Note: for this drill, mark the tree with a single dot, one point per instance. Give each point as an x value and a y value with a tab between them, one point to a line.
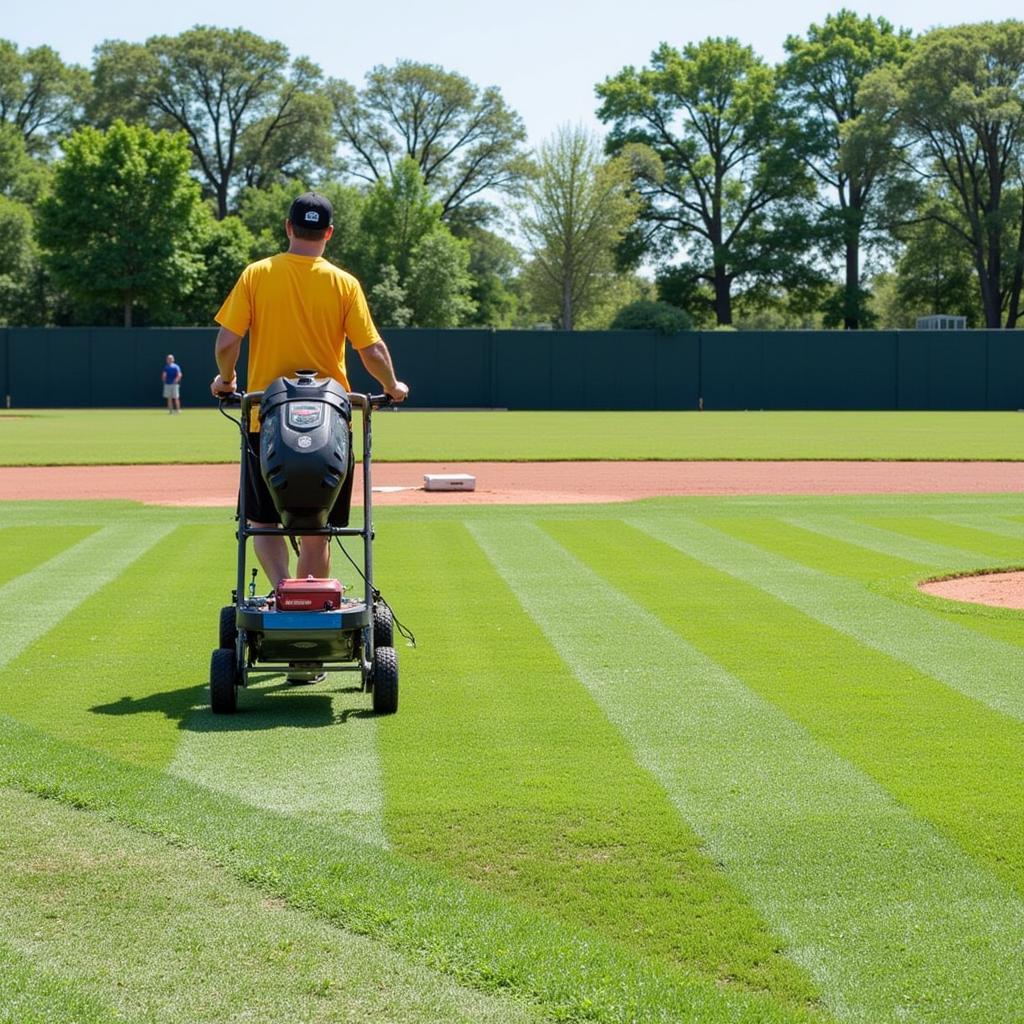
465	140
579	209
715	165
408	257
18	257
119	227
649	315
40	95
252	116
494	266
958	104
22	177
820	80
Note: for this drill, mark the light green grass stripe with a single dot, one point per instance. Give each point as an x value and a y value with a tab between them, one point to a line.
989	524
306	751
988	670
22	548
36	601
166	935
857	885
886	542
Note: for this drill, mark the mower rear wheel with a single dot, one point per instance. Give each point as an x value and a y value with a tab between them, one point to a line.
385	681
223	682
383	626
228	629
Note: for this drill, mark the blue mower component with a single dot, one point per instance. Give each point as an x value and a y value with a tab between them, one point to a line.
305	458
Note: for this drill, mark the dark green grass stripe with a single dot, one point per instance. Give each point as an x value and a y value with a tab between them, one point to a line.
893	920
477	938
31	995
952	760
23	548
123	669
501	768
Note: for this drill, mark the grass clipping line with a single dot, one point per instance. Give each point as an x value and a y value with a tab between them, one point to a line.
465	933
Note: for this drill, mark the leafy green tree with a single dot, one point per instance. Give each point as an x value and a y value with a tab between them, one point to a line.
651	315
958	105
22	177
18	257
223	248
252	115
579	209
820	80
438	285
494	265
716	167
40	95
119	227
465	140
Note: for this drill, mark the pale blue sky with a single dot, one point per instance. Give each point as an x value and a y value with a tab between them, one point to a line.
544	55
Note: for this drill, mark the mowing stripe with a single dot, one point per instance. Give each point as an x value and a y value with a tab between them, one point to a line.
988	670
165	934
987	547
877	927
989	524
885	542
311	752
36	601
501	769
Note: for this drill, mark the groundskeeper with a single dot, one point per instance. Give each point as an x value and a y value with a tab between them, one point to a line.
299	309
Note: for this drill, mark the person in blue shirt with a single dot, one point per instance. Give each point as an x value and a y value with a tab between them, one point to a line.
171	377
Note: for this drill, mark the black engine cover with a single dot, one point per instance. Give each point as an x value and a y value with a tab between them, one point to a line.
305	445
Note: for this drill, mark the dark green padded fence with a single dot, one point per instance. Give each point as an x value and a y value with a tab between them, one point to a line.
105	367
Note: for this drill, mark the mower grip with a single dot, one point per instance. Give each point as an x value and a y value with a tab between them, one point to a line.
379	401
233	399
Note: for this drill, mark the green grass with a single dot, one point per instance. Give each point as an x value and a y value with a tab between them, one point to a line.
704	760
76	437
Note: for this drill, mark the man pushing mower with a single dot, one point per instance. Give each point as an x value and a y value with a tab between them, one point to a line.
299	310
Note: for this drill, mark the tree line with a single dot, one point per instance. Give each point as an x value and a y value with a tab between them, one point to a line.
867	178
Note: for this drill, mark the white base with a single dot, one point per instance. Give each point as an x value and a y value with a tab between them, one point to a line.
449	482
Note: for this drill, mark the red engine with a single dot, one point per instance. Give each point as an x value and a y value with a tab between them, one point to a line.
308	595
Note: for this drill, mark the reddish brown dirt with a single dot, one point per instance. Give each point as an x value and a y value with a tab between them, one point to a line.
1003	589
531	483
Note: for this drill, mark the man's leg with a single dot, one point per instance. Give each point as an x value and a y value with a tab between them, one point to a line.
272	553
314	558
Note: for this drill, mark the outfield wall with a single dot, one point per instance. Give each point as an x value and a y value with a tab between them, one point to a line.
109	367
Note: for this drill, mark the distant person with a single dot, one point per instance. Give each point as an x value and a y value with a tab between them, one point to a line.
171	377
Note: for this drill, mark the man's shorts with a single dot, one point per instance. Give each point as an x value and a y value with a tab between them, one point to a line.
171	390
259	505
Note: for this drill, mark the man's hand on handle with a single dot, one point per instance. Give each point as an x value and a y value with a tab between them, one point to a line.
221	388
398	392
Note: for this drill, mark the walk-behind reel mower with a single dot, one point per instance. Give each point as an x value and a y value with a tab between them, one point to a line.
306	627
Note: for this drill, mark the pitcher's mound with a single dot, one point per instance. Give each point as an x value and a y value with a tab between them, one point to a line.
1004	589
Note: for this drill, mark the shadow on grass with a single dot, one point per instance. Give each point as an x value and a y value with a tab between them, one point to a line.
259	707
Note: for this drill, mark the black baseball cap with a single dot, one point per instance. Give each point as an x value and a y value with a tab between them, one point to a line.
311	210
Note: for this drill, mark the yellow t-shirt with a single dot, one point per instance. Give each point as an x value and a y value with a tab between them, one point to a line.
298	311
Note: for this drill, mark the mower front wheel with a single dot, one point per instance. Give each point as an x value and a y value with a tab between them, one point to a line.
223	682
385	681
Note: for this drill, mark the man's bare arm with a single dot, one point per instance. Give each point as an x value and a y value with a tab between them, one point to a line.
377	360
225	351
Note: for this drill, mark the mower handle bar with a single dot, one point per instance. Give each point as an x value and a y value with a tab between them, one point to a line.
372	401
